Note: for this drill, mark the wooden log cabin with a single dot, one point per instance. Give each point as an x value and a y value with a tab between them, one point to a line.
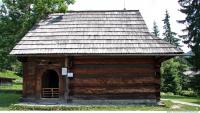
111	54
4	81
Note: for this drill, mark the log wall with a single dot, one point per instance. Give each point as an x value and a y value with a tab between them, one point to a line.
97	77
115	78
33	70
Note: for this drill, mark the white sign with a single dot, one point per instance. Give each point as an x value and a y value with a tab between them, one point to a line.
70	75
64	71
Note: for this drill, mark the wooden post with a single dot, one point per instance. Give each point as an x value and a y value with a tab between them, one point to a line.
66	93
157	77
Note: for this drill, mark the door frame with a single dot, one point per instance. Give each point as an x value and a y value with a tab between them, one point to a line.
41	71
52	90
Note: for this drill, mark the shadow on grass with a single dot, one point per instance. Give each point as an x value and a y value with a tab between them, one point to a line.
174	97
6	99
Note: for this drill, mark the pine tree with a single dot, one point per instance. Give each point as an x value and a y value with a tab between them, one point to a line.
168	34
155	29
171	69
192	10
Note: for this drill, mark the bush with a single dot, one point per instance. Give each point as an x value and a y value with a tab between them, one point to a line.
195	84
167	93
189	93
170	76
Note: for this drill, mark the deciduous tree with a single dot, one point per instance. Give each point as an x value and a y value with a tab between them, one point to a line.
17	17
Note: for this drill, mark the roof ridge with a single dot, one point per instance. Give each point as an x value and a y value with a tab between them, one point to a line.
77	11
103	11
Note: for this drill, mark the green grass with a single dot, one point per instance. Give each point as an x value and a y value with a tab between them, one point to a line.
167	107
195	100
11	74
14	86
7	99
17	84
87	108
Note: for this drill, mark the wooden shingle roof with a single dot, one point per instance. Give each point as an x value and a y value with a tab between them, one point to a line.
121	32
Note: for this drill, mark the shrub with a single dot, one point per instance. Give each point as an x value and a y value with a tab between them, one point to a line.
189	93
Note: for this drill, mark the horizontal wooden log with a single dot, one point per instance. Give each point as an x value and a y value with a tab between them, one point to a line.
112	90
113	60
113	57
111	81
92	66
93	84
116	75
108	70
116	96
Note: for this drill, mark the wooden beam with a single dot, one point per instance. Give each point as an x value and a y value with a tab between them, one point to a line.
160	59
22	59
66	93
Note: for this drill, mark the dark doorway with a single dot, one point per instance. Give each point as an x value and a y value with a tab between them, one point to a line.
50	84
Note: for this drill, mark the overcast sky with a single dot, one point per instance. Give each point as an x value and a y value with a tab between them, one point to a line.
151	10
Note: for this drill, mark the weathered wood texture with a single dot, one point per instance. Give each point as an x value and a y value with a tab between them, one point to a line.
97	77
6	81
34	69
119	32
115	78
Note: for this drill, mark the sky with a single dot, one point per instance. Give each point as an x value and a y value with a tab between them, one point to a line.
151	10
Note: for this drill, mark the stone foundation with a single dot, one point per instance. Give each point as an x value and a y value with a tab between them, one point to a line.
56	101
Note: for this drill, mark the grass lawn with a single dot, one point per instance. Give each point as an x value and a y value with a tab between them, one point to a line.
195	100
167	107
7	101
14	86
17	84
11	74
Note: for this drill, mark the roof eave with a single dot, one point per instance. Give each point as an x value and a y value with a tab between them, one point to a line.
84	54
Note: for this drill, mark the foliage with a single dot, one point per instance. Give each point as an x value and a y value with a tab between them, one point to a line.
171	72
155	29
168	34
173	79
184	79
192	20
16	18
192	10
11	74
195	83
189	92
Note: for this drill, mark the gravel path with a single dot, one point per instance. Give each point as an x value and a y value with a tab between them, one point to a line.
181	102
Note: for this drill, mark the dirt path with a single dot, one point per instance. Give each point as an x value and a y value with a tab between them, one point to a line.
181	102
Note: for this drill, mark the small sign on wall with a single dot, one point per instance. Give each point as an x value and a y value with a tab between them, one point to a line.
64	71
70	75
